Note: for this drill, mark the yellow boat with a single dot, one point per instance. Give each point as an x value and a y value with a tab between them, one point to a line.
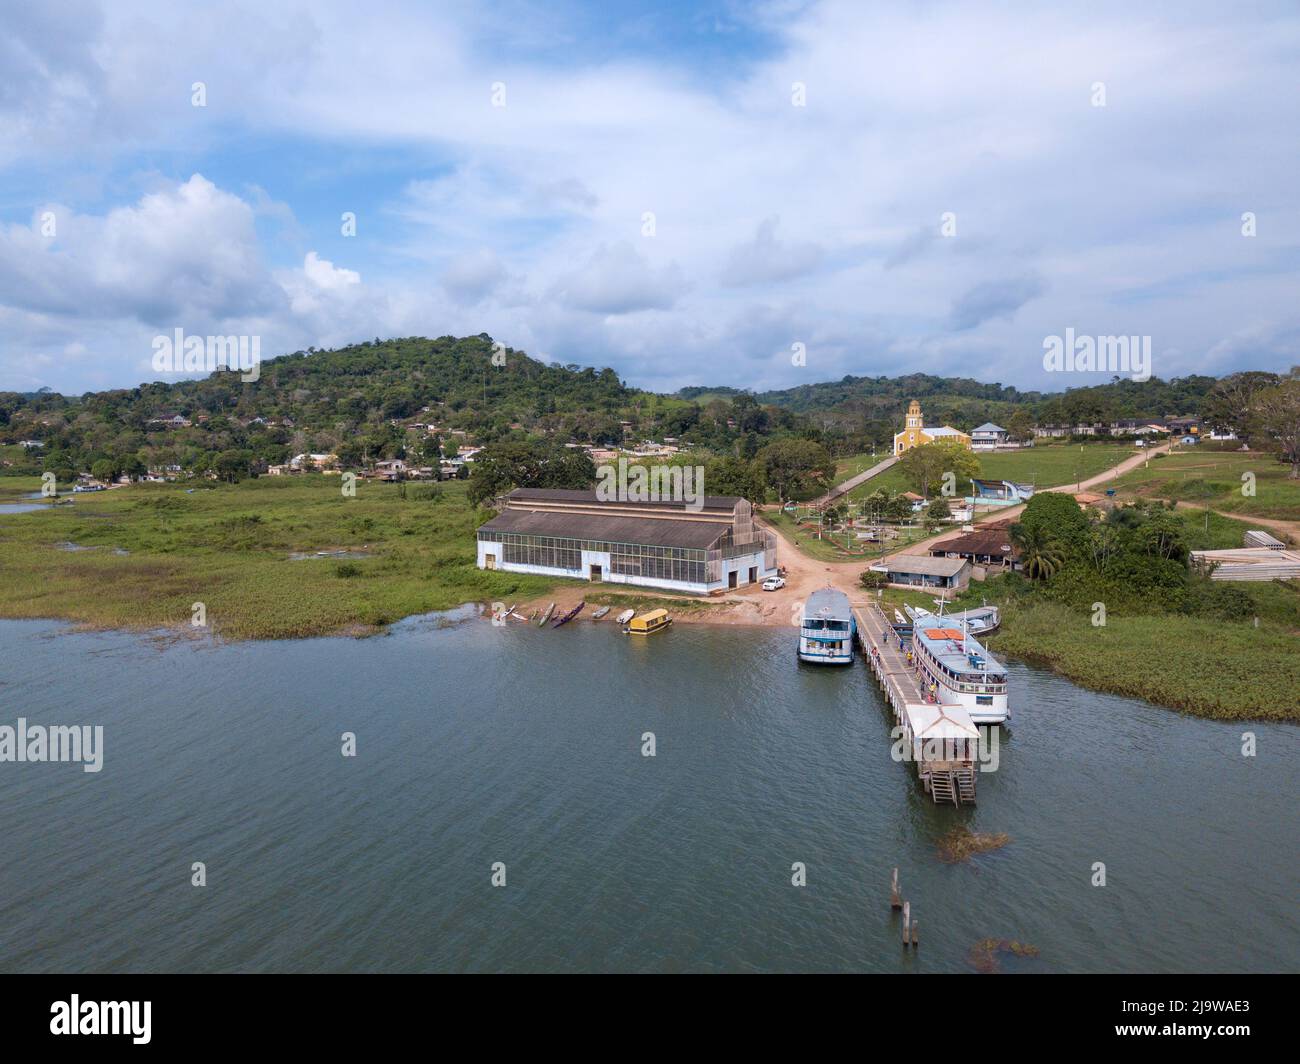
648	623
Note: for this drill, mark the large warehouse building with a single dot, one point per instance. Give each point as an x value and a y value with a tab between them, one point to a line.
557	532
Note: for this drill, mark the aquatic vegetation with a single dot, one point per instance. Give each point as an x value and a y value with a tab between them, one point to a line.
961	844
984	954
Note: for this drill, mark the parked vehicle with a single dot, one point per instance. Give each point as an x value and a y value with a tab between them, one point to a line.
773	583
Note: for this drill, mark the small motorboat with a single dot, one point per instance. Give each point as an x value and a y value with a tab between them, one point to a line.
600	613
568	616
625	616
546	615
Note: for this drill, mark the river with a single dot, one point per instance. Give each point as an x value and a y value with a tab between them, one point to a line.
478	744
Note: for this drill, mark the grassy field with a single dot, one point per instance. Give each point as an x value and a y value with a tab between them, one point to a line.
851	467
1206	667
829	550
140	557
1046	465
1214	478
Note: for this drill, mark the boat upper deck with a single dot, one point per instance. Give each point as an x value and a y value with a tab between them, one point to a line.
959	654
828	609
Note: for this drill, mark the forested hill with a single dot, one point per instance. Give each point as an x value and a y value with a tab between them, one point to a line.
368	382
959	399
413	396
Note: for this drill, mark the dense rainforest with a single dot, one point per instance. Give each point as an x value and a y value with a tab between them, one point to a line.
418	397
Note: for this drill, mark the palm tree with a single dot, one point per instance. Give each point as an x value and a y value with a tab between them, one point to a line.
1041	556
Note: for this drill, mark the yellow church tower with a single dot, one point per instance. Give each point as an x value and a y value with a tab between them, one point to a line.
915	433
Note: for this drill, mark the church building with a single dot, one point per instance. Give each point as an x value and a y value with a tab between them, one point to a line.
915	434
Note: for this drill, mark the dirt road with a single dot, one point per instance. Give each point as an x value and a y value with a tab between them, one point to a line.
804	575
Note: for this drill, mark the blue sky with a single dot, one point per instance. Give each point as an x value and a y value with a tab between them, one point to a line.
126	212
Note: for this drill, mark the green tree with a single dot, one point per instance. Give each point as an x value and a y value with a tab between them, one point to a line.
939	511
735	476
925	466
794	467
871	580
1041	556
1020	425
1060	519
232	466
528	464
1277	411
1230	404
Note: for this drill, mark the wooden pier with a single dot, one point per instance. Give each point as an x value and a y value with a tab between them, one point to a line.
942	740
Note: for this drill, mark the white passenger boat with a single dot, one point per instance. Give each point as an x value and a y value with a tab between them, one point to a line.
826	629
956	670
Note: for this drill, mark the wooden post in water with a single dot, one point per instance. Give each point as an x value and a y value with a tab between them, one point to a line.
907	924
916	935
895	901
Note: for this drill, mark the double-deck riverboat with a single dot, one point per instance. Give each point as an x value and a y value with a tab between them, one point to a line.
956	670
826	628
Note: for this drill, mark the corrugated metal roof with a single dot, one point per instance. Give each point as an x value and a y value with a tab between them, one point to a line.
922	564
643	531
995	541
588	497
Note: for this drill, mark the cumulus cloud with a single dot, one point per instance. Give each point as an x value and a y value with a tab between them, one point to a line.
188	250
474	276
617	279
525	220
766	259
993	299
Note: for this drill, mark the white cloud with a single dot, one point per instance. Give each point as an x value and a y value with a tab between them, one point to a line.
525	220
617	279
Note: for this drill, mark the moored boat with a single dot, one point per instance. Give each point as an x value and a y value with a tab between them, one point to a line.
546	615
600	613
625	616
983	620
956	670
568	616
826	628
648	623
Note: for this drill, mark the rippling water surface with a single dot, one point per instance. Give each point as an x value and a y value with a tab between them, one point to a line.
479	744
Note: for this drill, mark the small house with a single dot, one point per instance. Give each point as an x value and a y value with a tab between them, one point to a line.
923	570
987	437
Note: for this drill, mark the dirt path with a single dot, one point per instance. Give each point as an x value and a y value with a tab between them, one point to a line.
1289	529
804	575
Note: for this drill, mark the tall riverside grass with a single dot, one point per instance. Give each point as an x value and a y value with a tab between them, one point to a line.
1229	671
228	547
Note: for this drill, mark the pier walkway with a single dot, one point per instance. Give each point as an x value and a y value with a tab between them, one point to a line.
941	739
848	485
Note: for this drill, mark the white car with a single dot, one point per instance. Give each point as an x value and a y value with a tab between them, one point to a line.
773	583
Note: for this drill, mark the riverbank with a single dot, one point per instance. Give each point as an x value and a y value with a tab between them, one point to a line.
1206	668
272	558
281	558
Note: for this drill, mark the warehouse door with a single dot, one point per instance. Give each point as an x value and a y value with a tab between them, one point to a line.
731	578
489	561
753	573
596	574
